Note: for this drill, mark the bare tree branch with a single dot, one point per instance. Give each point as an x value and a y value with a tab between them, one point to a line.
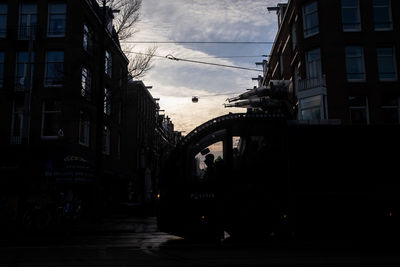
141	63
126	18
124	23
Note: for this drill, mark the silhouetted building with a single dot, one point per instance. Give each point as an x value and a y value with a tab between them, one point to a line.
141	117
62	98
342	57
165	140
150	139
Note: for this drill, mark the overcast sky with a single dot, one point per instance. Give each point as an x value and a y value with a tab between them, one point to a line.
175	82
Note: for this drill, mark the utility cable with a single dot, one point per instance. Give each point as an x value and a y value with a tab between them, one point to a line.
196	42
241	56
171	57
226	57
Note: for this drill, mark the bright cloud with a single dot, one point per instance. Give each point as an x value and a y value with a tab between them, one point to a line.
175	82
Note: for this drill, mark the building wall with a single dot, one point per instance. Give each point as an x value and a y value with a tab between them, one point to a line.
332	40
141	114
38	160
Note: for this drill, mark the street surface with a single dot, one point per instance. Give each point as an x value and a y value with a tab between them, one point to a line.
145	246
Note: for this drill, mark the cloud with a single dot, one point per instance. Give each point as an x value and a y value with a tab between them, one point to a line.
187	115
175	82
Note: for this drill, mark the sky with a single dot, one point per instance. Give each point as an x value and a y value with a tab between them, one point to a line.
176	82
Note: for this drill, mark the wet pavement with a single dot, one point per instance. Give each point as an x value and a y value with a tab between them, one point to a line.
130	241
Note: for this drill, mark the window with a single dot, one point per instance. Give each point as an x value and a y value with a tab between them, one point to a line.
87	39
294	37
107	102
382	15
310	108
119	147
57	17
22	69
355	63
54	72
1	68
351	15
281	63
106	140
122	77
386	64
86	83
108	64
296	78
17	123
313	61
390	109
119	112
27	21
310	19
3	20
84	129
358	109
51	120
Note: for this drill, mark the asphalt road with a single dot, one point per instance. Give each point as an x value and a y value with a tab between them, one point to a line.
145	246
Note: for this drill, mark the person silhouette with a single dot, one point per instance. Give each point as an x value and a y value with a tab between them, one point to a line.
210	171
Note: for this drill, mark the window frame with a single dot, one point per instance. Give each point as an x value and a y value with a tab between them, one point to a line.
317	67
55	13
84	129
365	107
355	29
347	56
2	58
281	64
59	83
108	63
313	99
106	150
29	21
118	150
107	102
87	39
14	139
17	84
393	57
390	28
3	14
293	33
86	83
392	107
44	113
306	31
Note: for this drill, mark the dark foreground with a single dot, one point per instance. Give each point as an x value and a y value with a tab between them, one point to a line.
137	242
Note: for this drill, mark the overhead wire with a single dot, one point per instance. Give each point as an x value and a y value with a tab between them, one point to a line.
209	63
171	57
226	57
209	95
197	42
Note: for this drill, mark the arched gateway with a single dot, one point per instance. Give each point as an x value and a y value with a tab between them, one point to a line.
258	174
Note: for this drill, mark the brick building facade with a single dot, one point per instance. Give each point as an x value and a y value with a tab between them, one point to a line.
342	57
62	101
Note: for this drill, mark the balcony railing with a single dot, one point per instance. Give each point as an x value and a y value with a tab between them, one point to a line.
311	83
